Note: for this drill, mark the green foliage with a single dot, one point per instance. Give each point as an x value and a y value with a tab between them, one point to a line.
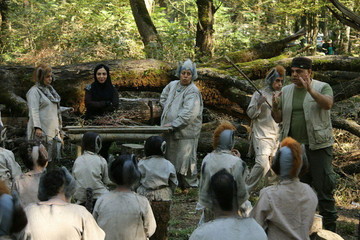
76	31
73	31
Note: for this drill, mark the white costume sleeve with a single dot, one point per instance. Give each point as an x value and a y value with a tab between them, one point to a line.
149	220
91	229
33	101
253	110
261	210
164	95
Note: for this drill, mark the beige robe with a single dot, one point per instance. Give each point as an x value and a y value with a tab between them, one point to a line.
90	170
27	185
263	138
286	210
216	161
124	216
60	222
230	228
263	126
9	168
43	114
182	108
158	176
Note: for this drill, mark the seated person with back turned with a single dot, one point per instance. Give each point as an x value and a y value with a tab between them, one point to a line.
90	171
223	157
228	225
157	184
286	210
54	217
122	213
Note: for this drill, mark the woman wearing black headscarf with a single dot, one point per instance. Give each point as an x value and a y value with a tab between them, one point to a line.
100	96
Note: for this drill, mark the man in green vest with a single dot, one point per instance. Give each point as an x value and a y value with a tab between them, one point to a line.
303	107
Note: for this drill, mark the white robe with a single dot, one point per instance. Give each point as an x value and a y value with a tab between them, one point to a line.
43	114
263	138
9	168
124	216
27	185
60	222
230	228
182	108
158	176
286	210
90	170
214	162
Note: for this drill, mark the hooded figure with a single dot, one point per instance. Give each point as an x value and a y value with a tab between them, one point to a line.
286	210
91	142
122	206
227	224
223	157
182	110
101	96
90	171
264	130
158	182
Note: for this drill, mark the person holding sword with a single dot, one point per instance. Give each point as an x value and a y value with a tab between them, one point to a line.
264	130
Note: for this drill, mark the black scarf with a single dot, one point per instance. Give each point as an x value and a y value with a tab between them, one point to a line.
102	91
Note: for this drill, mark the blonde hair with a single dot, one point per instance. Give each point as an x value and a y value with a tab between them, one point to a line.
41	71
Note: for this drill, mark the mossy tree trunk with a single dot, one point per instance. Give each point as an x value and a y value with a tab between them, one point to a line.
205	30
4	25
147	29
221	86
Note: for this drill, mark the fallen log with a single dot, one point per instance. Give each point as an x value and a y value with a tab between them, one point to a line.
346	124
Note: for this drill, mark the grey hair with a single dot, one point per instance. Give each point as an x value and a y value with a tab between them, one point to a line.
187	65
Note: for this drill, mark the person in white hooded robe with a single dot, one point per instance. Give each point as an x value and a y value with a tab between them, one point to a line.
182	110
122	213
227	225
223	157
264	130
286	210
90	171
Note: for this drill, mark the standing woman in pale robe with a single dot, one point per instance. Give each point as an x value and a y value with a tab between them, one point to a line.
44	111
182	110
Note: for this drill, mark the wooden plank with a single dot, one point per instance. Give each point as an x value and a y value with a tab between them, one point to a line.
115	129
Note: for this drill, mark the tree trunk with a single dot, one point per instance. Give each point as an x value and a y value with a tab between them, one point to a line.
345	124
312	27
4	25
147	30
265	50
205	30
347	16
222	88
